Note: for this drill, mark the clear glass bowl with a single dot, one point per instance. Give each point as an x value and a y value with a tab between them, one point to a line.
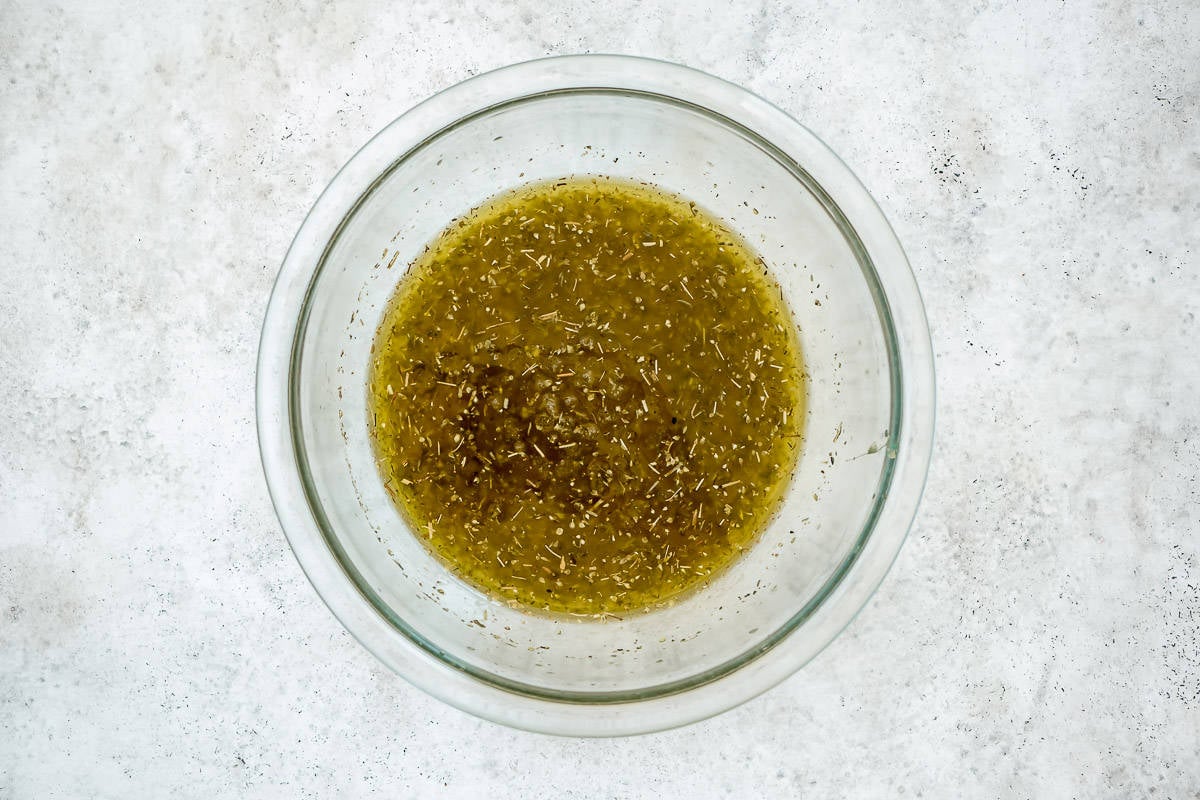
861	323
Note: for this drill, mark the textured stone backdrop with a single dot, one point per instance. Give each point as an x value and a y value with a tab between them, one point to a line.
1039	635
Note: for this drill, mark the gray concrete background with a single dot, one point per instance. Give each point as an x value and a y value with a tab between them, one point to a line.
1039	635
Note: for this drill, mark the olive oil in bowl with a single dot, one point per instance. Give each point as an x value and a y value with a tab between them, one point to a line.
587	396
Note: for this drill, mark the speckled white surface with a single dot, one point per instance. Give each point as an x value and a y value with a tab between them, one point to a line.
1039	635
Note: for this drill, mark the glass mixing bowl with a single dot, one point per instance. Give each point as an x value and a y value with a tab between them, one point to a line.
861	324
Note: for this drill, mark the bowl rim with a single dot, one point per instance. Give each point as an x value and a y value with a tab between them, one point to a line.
907	451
